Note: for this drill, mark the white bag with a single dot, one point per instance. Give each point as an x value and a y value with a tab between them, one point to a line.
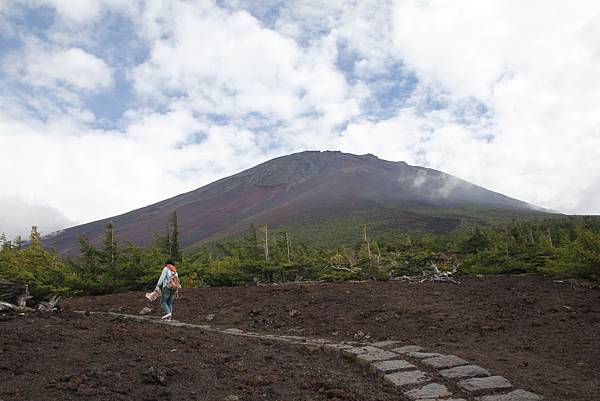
154	295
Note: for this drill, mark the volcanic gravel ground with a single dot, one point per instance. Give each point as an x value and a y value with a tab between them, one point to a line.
543	335
70	356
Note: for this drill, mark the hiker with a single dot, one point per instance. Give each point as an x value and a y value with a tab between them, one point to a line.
169	285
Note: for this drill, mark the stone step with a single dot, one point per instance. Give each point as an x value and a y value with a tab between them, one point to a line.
431	391
445	361
459	372
401	379
517	395
484	383
385	367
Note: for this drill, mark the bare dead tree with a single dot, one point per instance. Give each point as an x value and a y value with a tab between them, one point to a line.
266	242
288	242
368	245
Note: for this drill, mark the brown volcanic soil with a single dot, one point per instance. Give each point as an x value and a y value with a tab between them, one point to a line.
76	357
542	335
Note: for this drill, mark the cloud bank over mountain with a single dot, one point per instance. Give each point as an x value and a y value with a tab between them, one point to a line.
112	105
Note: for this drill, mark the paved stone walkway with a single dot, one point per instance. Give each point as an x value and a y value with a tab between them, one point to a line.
417	373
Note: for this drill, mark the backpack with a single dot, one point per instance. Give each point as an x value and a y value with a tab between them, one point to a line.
174	283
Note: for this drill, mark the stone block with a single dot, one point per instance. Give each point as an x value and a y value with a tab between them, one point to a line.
422	355
431	391
442	399
484	383
408	348
391	366
387	344
445	361
361	350
459	372
517	395
400	379
376	355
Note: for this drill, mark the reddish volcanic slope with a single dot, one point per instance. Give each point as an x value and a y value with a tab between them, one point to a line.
301	187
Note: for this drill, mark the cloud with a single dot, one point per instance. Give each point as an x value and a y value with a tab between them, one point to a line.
47	218
502	94
216	61
530	65
41	65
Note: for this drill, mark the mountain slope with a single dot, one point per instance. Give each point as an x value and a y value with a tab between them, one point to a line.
310	191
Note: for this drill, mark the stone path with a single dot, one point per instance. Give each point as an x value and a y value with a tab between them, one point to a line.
417	373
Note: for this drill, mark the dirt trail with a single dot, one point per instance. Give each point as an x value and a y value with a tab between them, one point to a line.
542	335
77	357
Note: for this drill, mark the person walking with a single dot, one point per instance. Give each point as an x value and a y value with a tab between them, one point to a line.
168	284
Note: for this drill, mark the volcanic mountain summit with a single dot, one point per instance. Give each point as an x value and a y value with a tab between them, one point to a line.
318	194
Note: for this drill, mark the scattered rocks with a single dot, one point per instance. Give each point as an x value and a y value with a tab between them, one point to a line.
444	361
459	372
293	313
400	379
210	317
359	335
485	383
432	391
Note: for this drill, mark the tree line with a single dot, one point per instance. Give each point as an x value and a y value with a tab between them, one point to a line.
559	246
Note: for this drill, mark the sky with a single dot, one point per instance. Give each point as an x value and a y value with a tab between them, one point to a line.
110	105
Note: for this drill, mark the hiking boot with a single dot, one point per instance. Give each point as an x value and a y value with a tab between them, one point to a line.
166	317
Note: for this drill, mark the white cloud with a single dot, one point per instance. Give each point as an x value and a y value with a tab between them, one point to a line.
23	215
506	96
222	62
532	64
41	65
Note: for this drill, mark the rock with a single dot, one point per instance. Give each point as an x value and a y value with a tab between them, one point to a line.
391	366
400	379
210	317
485	383
459	372
408	348
231	397
433	390
444	361
517	395
294	313
155	376
145	310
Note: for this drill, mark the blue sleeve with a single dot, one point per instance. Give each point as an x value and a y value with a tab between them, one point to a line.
162	277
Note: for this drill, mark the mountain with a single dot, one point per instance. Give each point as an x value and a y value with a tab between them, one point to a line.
319	196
